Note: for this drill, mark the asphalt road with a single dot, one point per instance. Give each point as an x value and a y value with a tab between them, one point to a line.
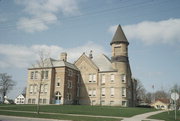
15	118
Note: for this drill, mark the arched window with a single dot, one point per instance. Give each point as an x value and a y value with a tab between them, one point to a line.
58	96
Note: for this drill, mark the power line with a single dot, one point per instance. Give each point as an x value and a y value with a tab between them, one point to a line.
104	11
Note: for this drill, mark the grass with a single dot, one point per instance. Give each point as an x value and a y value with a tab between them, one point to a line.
81	109
58	116
166	116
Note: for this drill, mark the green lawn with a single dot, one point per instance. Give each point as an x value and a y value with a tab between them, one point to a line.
166	116
58	116
81	109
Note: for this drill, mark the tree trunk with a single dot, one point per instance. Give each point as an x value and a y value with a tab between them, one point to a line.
38	107
3	99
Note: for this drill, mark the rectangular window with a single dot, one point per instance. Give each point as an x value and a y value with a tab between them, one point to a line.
112	91
35	88
94	92
42	88
78	91
69	96
36	74
103	92
102	102
45	88
46	74
32	75
103	79
31	89
29	101
90	92
123	78
40	100
111	102
44	101
112	77
42	74
93	102
94	77
124	103
78	76
58	82
70	72
33	101
117	50
69	84
123	91
90	77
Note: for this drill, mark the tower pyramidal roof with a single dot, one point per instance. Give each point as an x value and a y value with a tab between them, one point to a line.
119	36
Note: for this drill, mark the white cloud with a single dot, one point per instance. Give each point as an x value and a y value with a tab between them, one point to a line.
112	29
150	32
24	56
44	12
31	25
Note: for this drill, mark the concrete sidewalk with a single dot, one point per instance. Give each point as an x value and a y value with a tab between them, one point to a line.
82	115
143	117
139	117
16	118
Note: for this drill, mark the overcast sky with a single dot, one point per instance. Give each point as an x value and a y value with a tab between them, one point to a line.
152	28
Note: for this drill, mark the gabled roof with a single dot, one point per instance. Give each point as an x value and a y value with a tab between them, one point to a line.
119	36
103	63
59	63
99	61
24	95
165	101
49	63
84	56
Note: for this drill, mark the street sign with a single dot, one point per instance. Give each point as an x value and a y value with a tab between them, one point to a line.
174	96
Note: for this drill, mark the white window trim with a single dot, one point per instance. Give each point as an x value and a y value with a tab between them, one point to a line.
103	79
123	78
112	77
112	91
103	92
90	78
123	92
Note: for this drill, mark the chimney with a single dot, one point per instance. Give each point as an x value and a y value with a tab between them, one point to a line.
90	55
63	56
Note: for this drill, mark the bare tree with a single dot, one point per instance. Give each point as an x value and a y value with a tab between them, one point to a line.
176	88
41	65
24	91
149	97
161	94
6	84
140	91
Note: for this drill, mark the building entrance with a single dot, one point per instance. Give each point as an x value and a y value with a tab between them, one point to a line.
58	98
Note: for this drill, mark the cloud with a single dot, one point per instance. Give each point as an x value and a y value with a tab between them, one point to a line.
20	56
150	32
41	13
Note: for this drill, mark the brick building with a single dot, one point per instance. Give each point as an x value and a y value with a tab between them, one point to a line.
91	80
